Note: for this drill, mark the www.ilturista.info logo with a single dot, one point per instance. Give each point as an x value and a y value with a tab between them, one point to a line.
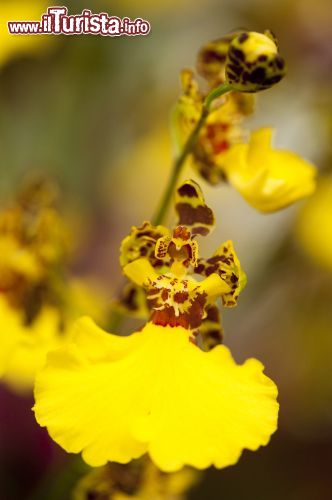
57	21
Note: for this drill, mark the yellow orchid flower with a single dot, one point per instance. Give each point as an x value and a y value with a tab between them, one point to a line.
313	223
15	261
177	251
156	391
240	64
24	346
268	179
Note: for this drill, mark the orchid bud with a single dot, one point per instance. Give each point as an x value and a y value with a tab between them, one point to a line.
253	62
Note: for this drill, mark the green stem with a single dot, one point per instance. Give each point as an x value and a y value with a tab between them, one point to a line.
187	149
175	136
215	93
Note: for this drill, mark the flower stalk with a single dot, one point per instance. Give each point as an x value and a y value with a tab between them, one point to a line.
187	149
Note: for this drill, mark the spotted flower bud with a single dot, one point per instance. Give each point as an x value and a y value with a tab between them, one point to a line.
253	62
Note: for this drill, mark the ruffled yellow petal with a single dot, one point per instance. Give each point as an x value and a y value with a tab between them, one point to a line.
268	179
115	398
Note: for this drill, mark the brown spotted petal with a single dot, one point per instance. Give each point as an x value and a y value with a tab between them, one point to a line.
188	108
176	302
161	248
141	242
190	86
182	302
192	210
178	248
211	60
226	264
223	128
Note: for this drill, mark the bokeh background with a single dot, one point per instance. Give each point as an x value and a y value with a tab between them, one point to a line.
93	113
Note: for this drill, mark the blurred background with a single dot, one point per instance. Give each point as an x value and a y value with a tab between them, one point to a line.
93	113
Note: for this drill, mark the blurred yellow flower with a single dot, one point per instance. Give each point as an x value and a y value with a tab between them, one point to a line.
38	300
24	345
141	480
20	10
223	127
268	179
156	391
314	222
16	260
